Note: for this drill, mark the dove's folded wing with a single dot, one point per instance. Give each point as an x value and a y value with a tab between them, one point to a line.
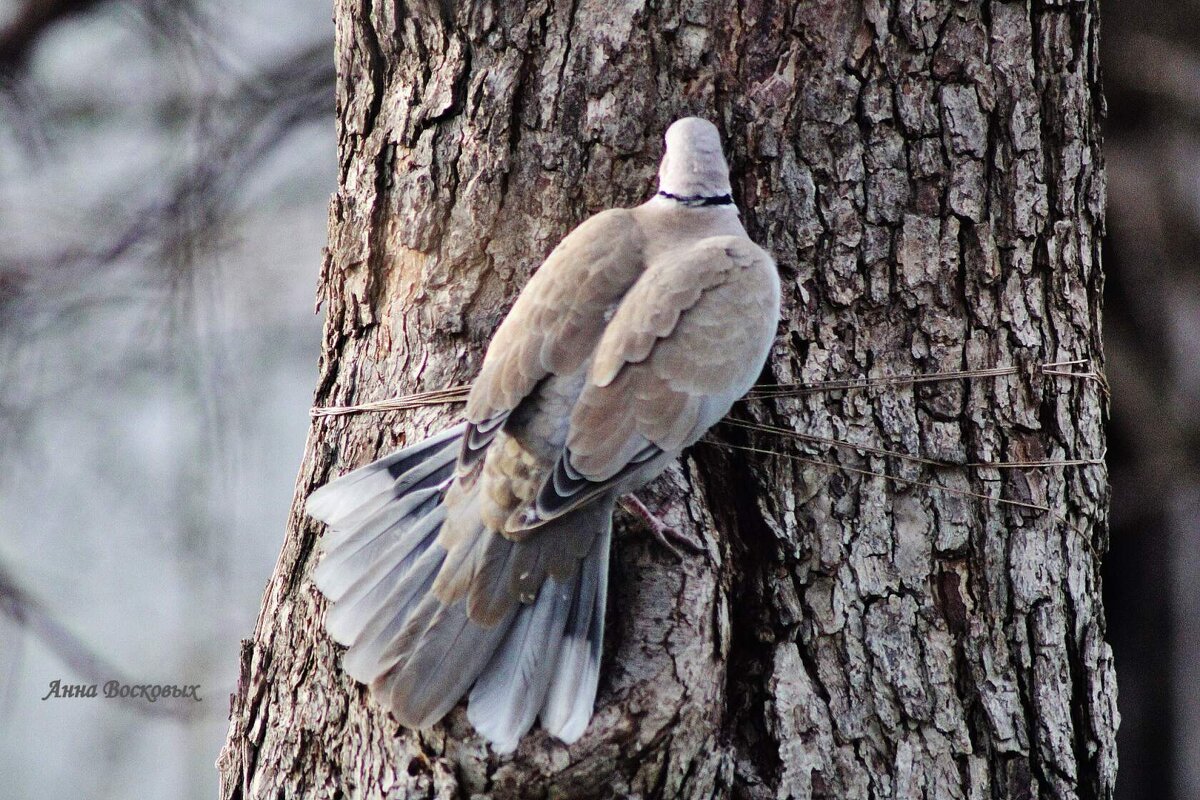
688	340
555	324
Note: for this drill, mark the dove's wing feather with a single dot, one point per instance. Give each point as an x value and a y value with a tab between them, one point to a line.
688	340
555	323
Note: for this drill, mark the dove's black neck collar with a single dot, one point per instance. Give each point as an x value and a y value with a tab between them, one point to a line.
699	200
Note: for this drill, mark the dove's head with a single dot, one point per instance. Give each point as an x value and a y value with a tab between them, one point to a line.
693	167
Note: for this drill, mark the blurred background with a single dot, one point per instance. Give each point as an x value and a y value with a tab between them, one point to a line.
1151	59
165	171
165	168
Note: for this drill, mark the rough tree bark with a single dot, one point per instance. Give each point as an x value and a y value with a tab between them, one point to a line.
928	175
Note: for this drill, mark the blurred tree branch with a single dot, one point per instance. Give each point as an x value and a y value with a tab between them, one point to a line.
182	212
89	666
33	19
1164	71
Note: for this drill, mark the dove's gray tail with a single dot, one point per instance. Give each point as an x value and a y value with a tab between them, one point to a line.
381	560
345	504
383	519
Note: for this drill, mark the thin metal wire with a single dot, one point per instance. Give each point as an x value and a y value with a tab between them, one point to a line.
772	390
457	394
1064	369
1055	515
1054	368
879	451
454	394
841	467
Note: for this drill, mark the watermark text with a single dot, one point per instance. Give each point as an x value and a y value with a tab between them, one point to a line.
150	692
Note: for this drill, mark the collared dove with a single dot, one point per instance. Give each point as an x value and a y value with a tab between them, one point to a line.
478	559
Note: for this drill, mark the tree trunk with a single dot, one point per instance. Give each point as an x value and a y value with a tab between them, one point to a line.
928	176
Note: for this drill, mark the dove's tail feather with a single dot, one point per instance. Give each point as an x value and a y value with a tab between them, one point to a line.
473	628
379	559
546	663
346	503
576	673
424	625
510	691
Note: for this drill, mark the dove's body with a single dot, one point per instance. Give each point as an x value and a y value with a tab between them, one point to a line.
636	335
